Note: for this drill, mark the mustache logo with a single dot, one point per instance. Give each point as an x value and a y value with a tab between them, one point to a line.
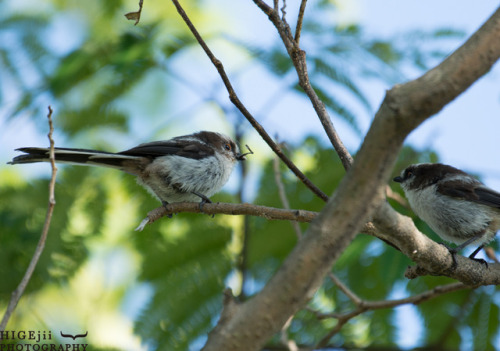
74	337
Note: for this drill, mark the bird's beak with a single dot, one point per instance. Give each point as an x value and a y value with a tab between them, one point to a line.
241	157
398	179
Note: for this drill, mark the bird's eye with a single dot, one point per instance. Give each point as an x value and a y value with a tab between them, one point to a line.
409	174
227	146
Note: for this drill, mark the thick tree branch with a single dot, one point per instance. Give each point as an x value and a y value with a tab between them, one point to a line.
236	101
359	194
431	257
16	295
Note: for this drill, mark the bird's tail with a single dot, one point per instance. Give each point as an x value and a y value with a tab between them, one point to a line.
74	156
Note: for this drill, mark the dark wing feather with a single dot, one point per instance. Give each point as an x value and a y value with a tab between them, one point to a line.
475	192
184	148
488	197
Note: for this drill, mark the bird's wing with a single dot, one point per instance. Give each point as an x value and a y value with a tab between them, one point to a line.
184	148
488	197
475	192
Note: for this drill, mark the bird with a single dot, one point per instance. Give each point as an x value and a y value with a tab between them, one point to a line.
456	206
187	168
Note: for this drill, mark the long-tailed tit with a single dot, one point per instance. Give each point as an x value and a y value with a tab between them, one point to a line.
458	207
185	168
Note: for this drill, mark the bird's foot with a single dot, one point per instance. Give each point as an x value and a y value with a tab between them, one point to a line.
453	252
164	203
204	200
480	260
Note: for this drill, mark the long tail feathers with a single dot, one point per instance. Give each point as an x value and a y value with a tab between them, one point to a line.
74	156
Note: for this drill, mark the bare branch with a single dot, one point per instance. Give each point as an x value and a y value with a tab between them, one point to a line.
363	306
291	345
283	12
243	235
298	57
270	213
348	292
431	257
266	8
276	5
298	27
16	294
236	101
282	194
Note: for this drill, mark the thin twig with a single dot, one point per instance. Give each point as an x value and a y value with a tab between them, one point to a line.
265	7
242	262
363	305
348	292
16	295
283	11
236	101
298	57
300	18
282	194
270	213
291	345
276	5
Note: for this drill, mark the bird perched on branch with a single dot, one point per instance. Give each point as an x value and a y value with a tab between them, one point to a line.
457	206
182	169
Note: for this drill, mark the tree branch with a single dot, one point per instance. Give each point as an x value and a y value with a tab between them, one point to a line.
16	295
282	194
363	305
291	345
244	232
236	101
298	57
270	213
360	195
300	18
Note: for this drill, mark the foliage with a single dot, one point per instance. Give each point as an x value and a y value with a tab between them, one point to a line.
185	262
